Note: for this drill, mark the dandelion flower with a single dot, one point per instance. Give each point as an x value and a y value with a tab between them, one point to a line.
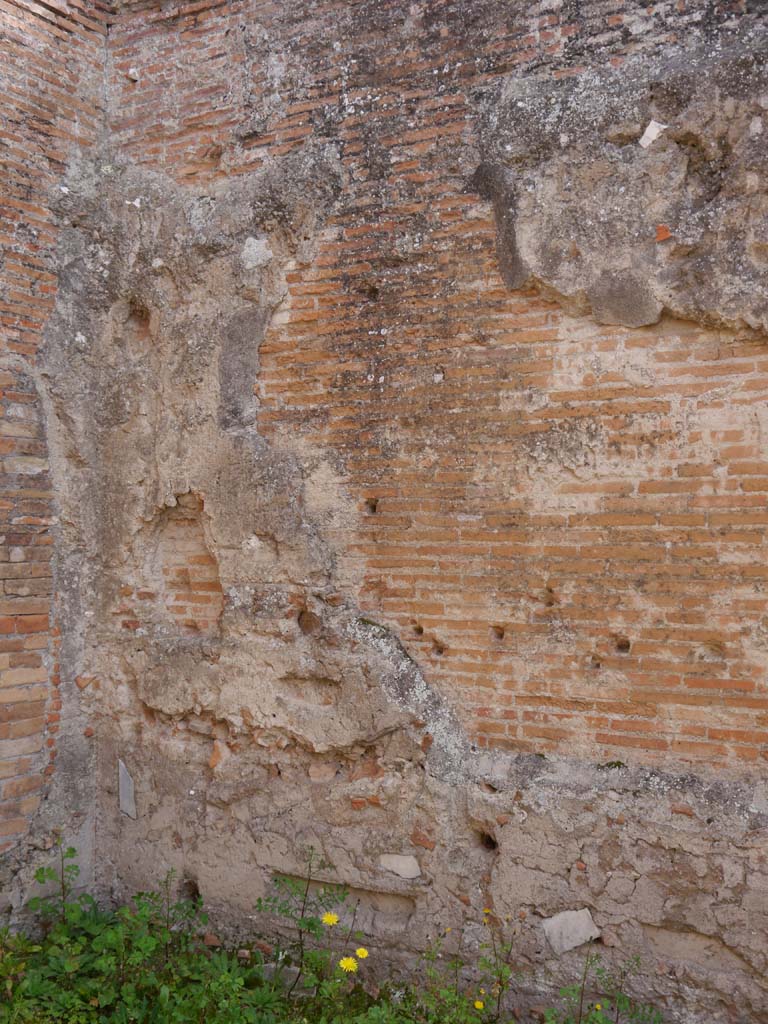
348	964
330	919
361	953
486	910
598	1006
479	1004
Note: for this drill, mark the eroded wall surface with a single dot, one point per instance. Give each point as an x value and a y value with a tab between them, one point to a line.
52	86
406	419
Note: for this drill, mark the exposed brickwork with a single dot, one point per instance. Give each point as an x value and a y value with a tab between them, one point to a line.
192	591
29	711
49	55
188	595
581	570
562	521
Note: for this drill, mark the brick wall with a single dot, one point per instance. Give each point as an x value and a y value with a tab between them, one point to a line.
50	59
563	522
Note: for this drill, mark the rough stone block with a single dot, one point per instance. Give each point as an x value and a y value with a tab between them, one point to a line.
125	790
256	253
404	865
570	929
277	972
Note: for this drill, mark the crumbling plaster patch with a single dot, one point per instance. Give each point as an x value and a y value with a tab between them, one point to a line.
150	369
624	231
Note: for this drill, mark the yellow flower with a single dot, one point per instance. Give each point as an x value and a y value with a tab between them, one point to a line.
361	953
598	1006
330	919
348	964
486	910
479	1004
